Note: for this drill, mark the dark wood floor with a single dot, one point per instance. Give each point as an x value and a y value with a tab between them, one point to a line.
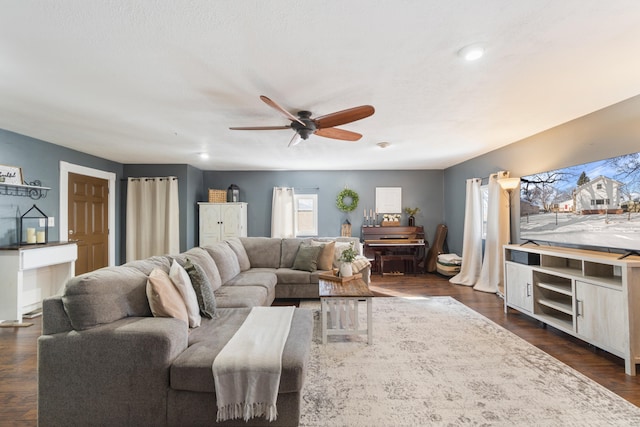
18	379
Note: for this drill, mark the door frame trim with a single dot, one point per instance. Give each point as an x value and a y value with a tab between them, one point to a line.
65	169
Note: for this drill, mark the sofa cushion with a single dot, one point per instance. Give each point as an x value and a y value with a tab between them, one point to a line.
262	251
182	282
105	295
289	251
203	259
307	258
287	276
147	265
325	259
203	289
251	278
191	370
164	298
225	259
243	259
243	296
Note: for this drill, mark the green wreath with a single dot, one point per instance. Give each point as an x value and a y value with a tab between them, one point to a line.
347	194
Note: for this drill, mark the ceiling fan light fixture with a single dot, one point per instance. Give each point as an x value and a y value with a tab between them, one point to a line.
471	52
203	156
383	144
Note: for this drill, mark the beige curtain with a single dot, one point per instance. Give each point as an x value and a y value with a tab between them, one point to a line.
472	239
283	213
491	275
152	217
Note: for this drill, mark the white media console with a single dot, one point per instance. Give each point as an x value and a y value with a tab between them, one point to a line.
594	296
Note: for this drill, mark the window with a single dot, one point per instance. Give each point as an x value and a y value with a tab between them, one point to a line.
306	206
598	186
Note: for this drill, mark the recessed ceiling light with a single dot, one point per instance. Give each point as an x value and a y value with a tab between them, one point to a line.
204	156
383	144
471	52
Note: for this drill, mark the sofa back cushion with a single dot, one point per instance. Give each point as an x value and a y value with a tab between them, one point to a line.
203	259
104	296
147	265
263	252
238	248
289	251
225	259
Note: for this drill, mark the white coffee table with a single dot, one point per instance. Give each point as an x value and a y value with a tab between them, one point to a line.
341	300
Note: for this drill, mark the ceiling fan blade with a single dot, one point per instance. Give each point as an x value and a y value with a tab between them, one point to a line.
295	140
261	128
276	106
335	133
344	116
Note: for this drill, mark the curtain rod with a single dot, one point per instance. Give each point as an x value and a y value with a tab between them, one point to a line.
149	179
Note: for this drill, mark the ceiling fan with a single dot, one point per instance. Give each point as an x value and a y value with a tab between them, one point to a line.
305	125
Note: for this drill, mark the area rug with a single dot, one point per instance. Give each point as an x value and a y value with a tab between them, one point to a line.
435	361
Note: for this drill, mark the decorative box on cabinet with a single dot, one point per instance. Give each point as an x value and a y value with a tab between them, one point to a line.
220	221
594	296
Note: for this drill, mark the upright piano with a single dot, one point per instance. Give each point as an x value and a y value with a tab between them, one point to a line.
395	246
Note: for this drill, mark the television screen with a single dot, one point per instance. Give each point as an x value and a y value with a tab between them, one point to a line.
595	204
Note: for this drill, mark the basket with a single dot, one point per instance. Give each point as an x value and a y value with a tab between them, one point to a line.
217	196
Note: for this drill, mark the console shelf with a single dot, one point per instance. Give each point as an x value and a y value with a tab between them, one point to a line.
591	295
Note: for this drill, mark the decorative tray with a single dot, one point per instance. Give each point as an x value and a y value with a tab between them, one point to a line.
339	279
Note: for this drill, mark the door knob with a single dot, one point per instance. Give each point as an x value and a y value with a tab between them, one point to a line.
70	232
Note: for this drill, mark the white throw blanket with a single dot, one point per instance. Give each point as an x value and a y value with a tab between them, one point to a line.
247	370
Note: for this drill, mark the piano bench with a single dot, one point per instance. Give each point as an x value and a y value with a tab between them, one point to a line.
402	258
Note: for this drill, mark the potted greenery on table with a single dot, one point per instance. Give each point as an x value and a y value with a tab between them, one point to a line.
346	258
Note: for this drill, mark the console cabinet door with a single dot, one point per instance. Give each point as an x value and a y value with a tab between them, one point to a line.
519	286
600	316
210	220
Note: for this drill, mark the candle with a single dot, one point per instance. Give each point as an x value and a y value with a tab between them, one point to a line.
40	237
365	212
31	235
371	213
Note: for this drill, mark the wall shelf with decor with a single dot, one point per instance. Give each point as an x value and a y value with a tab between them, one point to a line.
33	190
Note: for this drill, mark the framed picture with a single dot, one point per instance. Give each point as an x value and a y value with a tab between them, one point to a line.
388	200
10	175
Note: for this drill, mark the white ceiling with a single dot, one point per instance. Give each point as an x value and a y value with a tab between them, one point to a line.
161	81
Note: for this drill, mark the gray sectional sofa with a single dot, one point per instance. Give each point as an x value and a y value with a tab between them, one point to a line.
103	359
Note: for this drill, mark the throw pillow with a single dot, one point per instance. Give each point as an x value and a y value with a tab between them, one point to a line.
182	282
202	288
164	298
307	258
325	259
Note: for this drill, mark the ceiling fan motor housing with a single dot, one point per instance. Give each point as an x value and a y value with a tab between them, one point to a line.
309	125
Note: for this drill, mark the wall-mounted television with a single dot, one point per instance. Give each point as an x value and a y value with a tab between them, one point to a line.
594	205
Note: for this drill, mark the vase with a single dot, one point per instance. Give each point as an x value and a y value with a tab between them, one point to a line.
412	221
346	270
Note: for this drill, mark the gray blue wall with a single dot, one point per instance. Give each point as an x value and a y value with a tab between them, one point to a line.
422	188
439	194
606	133
40	160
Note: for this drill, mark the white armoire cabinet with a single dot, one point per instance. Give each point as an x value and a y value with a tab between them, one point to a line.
220	221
